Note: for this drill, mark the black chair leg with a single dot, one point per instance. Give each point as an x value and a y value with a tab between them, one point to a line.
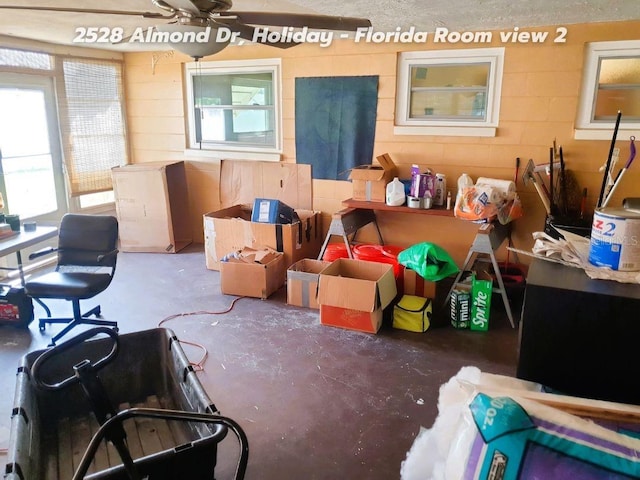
78	319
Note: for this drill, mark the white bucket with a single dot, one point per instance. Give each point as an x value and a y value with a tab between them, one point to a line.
615	239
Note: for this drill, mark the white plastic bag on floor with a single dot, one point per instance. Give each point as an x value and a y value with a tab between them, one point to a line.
487	428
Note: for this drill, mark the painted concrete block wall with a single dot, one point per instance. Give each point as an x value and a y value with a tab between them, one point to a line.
540	94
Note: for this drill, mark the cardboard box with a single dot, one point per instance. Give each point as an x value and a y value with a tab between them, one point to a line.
254	273
460	303
481	291
152	206
231	229
414	284
302	282
353	294
370	181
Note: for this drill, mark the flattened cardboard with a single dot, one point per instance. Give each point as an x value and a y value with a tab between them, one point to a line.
252	279
370	181
152	207
302	282
242	181
230	229
357	285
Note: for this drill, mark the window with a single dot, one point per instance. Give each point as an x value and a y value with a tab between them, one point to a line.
449	92
92	123
24	59
234	107
611	83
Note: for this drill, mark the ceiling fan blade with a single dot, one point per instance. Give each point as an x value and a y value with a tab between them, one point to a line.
184	5
86	10
300	20
247	32
212	5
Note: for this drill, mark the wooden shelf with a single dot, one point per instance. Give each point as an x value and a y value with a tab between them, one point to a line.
381	206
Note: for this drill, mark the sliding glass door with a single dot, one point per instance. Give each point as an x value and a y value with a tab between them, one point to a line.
31	178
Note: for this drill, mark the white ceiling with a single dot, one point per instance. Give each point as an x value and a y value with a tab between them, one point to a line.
385	15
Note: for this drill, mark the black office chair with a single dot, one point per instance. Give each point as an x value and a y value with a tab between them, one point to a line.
87	253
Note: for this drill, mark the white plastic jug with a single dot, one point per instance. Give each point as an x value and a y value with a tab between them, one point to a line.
395	193
464	181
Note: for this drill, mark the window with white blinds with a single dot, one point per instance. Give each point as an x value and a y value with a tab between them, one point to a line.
92	122
10	57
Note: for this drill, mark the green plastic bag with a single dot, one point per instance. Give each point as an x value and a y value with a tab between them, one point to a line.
431	262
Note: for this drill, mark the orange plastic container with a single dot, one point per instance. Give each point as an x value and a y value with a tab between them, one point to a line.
335	251
381	254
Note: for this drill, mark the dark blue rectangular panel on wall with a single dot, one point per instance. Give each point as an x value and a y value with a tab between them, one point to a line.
335	123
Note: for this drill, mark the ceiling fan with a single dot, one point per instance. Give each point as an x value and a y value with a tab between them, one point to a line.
215	15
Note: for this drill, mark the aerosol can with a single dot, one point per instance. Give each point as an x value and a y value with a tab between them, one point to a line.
441	190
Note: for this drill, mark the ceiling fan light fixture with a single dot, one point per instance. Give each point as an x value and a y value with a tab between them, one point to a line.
193	40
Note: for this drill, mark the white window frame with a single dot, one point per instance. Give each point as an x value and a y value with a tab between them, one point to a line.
221	151
404	125
586	127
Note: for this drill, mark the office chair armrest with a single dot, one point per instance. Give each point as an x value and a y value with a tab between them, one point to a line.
112	253
42	252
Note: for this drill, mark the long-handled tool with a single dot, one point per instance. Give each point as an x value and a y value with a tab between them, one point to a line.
632	155
608	165
563	185
529	177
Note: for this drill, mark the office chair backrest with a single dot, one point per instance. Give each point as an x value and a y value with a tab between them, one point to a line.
82	238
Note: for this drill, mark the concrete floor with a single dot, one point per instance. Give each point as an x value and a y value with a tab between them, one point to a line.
316	402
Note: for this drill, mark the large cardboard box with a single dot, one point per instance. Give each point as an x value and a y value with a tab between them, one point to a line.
152	206
256	273
370	181
231	229
302	282
353	294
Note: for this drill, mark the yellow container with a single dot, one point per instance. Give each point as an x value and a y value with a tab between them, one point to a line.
412	313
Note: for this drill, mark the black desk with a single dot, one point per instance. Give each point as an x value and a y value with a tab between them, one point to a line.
580	336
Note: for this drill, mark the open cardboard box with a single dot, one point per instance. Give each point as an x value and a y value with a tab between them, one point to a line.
353	294
230	228
302	282
252	273
370	181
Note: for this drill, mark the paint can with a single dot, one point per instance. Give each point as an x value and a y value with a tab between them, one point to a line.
615	239
414	202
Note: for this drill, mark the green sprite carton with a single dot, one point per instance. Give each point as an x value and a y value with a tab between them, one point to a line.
481	289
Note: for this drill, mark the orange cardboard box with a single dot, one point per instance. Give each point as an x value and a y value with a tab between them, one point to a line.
353	294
